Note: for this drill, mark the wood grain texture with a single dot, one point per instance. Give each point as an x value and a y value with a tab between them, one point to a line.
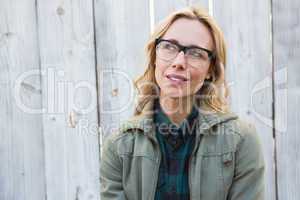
247	29
122	30
161	10
22	171
286	52
49	85
66	37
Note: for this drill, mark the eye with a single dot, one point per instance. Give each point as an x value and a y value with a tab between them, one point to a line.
168	46
198	54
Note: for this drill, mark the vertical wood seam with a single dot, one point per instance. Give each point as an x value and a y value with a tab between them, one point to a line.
273	102
42	103
97	80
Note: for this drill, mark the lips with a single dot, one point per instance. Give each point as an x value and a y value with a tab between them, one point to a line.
176	77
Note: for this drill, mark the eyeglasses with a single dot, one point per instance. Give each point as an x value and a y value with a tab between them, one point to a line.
196	56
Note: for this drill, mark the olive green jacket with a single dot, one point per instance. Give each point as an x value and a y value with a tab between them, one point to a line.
227	162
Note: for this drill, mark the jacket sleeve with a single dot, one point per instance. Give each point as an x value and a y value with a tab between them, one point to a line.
111	173
248	181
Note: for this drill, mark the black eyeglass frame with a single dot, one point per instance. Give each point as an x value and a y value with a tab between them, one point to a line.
211	54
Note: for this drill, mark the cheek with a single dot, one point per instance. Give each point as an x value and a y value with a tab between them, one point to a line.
198	78
159	71
157	75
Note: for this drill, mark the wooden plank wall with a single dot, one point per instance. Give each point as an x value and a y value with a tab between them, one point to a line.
162	10
22	168
247	29
121	33
66	70
286	53
67	59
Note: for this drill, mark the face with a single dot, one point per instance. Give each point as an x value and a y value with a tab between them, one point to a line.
176	77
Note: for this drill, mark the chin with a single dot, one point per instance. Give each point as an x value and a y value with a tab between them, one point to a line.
174	93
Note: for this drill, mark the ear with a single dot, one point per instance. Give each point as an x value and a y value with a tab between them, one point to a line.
207	76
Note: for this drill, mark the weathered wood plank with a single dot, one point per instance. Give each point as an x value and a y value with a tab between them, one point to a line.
161	10
201	3
286	54
21	140
121	32
246	25
69	96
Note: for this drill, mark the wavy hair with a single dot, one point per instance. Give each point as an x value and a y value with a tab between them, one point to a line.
213	94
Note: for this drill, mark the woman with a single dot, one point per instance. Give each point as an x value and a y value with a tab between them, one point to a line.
183	142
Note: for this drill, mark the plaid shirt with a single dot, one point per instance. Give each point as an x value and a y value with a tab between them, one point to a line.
176	144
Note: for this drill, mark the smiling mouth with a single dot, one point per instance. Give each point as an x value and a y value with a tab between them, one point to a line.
177	78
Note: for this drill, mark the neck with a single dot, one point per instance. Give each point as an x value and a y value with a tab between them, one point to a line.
177	109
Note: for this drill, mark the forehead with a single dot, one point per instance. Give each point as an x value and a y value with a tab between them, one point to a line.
190	32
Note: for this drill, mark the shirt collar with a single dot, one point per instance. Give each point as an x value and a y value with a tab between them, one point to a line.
143	121
165	125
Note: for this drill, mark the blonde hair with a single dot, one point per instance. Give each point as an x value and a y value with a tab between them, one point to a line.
214	90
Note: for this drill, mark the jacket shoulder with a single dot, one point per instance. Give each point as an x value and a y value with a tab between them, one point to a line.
239	127
244	133
119	140
231	135
128	138
125	130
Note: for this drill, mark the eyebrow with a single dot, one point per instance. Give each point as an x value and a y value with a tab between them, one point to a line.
193	46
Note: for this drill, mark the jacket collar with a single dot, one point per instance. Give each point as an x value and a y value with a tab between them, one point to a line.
143	122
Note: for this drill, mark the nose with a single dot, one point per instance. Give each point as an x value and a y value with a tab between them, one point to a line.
180	60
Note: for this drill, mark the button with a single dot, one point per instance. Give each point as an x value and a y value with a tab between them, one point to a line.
173	189
227	159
